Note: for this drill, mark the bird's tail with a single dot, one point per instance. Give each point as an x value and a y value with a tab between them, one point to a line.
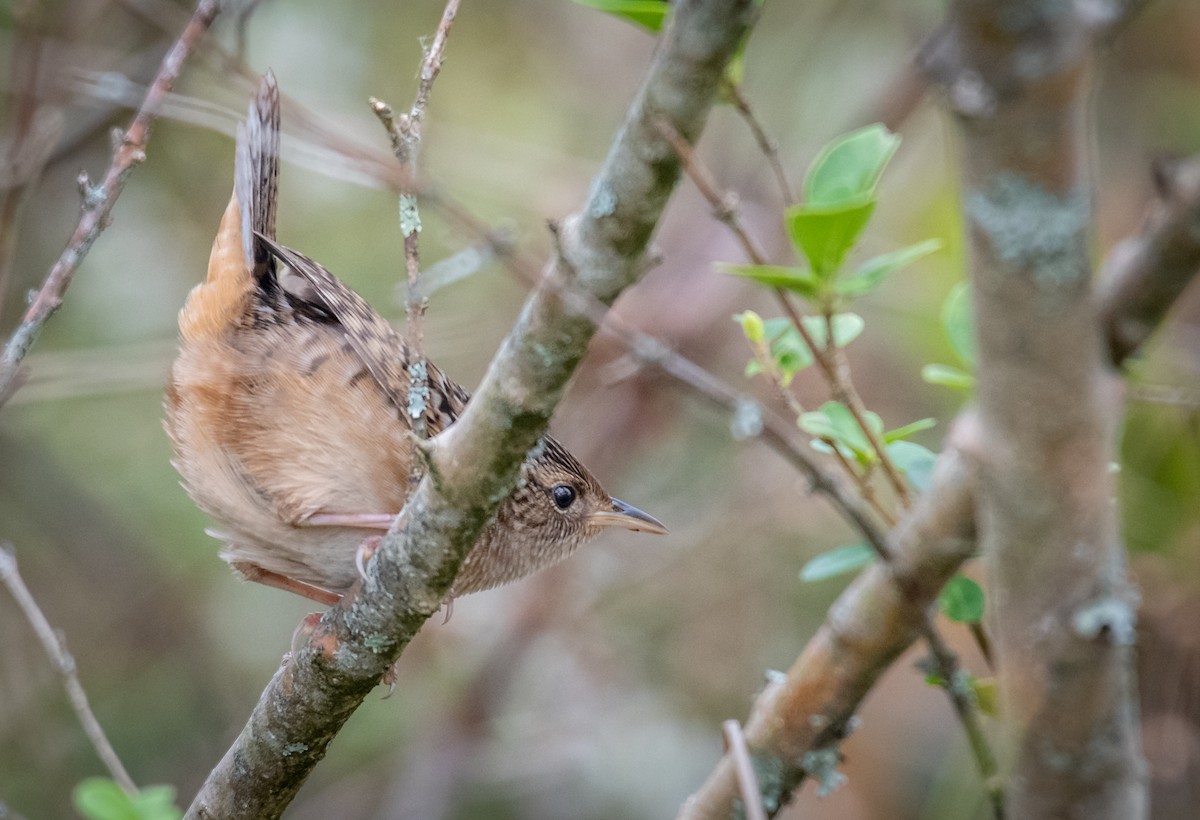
239	259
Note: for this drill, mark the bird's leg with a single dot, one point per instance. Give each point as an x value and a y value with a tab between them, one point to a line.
255	573
305	627
367	521
364	552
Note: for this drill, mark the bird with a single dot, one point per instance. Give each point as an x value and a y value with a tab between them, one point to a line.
287	407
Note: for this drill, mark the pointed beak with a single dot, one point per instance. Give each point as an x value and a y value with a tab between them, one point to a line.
629	517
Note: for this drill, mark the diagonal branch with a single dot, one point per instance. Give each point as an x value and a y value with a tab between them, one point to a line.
475	464
798	720
1145	274
98	200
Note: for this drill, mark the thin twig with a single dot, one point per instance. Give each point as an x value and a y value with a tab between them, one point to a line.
735	745
956	685
56	650
862	481
405	133
1145	273
98	200
834	366
837	372
768	146
844	391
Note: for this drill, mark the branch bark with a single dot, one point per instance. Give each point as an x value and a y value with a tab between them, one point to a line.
797	721
475	464
1144	274
1060	605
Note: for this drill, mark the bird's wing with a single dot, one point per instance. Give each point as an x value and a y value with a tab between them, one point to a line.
382	349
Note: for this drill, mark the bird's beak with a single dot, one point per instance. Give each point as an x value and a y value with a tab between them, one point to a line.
627	516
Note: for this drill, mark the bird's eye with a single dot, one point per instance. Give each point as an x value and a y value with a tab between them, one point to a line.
564	495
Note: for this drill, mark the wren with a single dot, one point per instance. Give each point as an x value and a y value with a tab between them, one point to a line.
287	408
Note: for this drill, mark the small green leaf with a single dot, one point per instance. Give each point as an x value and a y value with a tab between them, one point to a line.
797	280
956	319
835	422
962	600
987	695
907	430
846	328
837	562
788	350
100	798
948	376
874	271
649	14
752	326
735	69
915	461
157	803
753	368
822	447
848	168
825	235
818	425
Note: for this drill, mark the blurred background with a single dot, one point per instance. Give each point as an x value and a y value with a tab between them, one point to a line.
595	690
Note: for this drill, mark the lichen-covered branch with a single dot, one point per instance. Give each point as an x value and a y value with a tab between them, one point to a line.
1061	608
475	464
405	133
98	200
799	719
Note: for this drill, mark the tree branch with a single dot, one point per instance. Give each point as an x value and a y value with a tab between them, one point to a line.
1144	274
98	201
799	719
1061	608
405	133
475	463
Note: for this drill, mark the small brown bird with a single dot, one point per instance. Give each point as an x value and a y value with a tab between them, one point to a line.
288	411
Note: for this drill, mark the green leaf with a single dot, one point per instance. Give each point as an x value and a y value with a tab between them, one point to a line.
752	326
948	376
848	168
984	691
788	350
753	368
835	422
797	280
825	235
962	600
915	461
99	798
956	319
649	14
908	429
987	695
874	271
157	803
846	328
837	562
